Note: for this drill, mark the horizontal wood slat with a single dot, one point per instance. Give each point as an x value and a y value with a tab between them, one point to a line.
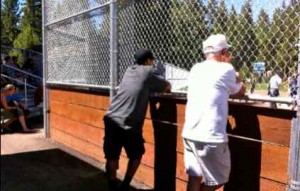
79	145
82	131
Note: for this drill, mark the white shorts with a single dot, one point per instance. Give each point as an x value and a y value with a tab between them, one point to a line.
208	160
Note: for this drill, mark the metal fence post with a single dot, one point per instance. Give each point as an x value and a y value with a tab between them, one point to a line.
45	73
25	90
113	47
294	158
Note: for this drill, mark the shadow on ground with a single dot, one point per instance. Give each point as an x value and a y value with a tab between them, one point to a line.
32	123
49	170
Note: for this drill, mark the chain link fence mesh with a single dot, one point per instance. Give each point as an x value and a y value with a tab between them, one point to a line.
78	49
26	54
262	33
58	9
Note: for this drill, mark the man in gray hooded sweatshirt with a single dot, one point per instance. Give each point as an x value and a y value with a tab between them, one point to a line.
125	117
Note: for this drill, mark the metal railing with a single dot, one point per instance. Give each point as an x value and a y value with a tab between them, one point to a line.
24	83
21	49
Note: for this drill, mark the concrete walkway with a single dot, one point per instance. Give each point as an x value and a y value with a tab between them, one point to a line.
24	142
30	162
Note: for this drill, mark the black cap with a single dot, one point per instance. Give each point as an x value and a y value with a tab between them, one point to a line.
142	55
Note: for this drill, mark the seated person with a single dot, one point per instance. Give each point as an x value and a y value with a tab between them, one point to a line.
4	81
13	107
38	96
12	73
29	66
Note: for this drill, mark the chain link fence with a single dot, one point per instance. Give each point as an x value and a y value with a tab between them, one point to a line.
77	47
262	33
25	54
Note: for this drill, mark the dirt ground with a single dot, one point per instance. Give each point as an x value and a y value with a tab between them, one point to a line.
30	162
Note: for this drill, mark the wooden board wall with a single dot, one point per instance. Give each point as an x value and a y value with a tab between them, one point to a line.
76	121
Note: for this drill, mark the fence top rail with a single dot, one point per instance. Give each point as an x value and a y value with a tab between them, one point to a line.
19	81
79	85
182	95
22	71
77	14
245	98
8	47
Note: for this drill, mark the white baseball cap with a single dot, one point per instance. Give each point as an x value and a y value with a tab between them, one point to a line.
215	43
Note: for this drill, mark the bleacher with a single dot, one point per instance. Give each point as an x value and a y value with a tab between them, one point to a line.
25	94
35	111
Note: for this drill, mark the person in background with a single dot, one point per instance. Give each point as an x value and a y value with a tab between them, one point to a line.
10	72
38	96
253	82
28	66
15	62
273	88
275	83
13	107
206	152
293	88
124	118
3	81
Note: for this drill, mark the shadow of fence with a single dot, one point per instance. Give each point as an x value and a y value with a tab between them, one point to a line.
49	170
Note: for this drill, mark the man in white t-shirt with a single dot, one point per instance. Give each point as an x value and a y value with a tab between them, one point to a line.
206	153
274	84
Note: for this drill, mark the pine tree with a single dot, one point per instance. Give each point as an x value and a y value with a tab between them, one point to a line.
9	21
287	35
211	13
28	37
275	36
295	3
220	21
33	16
232	23
151	27
189	30
246	36
263	37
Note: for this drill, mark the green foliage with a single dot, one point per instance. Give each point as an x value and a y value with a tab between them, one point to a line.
244	72
211	12
156	28
284	35
247	42
287	53
31	29
32	17
191	17
263	35
176	31
26	39
18	54
221	19
9	21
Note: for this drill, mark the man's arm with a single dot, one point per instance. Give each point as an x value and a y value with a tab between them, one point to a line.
234	83
157	83
167	88
242	91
